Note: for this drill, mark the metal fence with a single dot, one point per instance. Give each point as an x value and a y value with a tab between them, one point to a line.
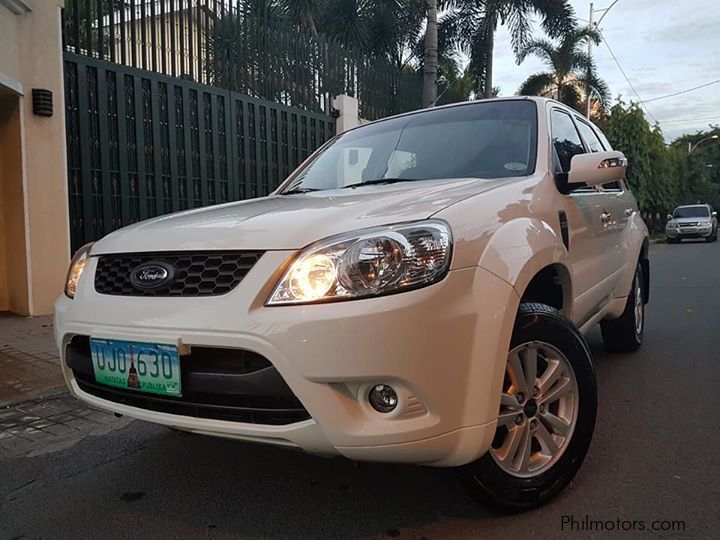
142	144
216	42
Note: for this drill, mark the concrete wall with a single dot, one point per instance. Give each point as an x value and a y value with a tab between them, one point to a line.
33	163
348	113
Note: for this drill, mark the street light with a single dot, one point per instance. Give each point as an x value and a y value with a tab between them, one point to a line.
692	147
592	25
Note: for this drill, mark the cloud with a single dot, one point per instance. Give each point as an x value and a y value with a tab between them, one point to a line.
686	33
664	46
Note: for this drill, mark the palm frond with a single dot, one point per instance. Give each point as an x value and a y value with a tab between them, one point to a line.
570	95
542	48
558	16
537	84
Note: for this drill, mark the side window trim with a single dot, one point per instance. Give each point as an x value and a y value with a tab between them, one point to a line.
590	190
579	120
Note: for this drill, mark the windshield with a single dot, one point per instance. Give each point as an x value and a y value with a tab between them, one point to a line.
691	212
483	140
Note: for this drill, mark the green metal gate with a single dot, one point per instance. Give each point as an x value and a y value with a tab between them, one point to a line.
142	144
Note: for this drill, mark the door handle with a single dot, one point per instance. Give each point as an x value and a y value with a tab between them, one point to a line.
629	212
605	217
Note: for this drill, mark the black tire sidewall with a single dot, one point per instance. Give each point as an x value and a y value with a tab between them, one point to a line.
510	493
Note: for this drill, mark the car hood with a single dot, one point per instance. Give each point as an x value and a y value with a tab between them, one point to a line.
682	221
282	222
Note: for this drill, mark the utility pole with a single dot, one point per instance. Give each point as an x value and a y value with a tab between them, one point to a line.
595	25
588	89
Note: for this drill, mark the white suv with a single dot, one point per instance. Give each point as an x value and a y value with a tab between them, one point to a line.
417	291
692	221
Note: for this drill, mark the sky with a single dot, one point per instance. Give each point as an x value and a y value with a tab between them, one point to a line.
664	46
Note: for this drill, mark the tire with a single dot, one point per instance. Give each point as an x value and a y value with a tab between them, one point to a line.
625	334
494	480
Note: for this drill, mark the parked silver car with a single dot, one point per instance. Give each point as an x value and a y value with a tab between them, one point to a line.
692	221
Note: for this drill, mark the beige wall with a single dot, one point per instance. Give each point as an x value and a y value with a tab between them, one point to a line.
13	260
34	174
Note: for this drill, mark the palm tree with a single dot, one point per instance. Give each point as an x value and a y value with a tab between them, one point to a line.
346	21
572	71
305	12
430	64
395	28
474	22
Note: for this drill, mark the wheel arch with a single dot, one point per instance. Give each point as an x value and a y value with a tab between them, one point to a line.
531	256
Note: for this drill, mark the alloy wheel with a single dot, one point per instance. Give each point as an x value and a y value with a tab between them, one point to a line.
538	410
639	308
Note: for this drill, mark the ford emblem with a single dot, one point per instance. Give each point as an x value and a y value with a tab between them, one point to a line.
152	275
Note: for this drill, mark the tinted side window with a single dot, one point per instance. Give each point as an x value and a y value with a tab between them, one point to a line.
565	138
602	137
590	137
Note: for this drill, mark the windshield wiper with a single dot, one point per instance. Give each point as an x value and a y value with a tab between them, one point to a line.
380	181
295	191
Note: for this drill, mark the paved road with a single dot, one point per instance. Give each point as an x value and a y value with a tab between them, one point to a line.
656	455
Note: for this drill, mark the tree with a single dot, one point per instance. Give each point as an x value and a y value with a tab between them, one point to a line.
347	22
457	85
660	176
429	94
474	22
305	12
571	73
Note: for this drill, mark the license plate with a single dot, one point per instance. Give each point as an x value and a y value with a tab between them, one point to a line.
145	367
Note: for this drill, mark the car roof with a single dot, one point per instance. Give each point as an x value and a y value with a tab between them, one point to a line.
538	99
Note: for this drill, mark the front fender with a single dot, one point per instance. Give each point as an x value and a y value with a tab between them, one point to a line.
519	249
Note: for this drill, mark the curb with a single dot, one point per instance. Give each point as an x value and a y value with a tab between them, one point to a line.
52	394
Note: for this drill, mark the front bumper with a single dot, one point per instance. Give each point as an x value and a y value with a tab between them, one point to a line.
443	348
689	232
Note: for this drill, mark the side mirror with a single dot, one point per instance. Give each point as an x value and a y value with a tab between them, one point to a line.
597	168
669	217
714	214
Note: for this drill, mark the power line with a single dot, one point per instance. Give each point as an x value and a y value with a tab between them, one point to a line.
682	91
691	119
628	80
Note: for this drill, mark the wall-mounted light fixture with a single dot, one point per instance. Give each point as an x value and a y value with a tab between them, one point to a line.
42	101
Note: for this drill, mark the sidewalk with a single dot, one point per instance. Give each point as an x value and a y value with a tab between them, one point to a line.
37	415
29	363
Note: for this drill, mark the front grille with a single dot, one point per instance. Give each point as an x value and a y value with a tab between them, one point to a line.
197	274
689	224
217	383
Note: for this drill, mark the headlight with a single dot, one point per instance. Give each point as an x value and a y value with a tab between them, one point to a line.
672	225
367	263
77	265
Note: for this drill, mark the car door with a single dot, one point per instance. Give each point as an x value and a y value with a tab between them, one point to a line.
589	239
617	202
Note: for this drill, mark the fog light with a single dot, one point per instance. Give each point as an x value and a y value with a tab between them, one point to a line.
383	398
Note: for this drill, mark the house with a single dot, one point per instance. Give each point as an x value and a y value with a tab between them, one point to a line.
34	236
